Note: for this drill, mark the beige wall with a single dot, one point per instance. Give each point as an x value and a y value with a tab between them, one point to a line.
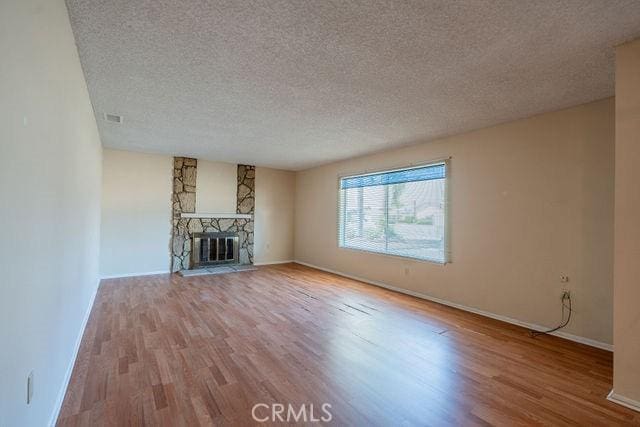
216	187
50	161
626	378
275	192
136	210
136	213
530	200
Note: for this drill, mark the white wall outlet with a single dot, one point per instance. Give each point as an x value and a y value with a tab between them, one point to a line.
30	387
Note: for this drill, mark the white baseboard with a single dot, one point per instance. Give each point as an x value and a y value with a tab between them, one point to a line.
67	377
273	262
571	337
624	401
148	273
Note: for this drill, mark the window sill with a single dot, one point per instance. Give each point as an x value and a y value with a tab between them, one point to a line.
403	257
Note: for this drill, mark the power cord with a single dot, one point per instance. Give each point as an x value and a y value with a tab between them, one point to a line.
566	296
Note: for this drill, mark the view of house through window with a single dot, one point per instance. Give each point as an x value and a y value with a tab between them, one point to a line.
399	212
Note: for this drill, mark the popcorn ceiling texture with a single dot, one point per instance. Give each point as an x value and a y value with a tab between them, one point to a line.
184	201
292	84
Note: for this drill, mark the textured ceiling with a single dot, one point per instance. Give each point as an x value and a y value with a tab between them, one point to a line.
293	84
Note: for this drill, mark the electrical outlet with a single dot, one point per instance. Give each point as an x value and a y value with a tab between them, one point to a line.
30	388
564	278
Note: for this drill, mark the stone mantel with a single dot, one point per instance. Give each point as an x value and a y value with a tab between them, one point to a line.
215	215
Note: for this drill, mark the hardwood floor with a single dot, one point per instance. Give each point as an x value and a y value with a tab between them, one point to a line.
168	350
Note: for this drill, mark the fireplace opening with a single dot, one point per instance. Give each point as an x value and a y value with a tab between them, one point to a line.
214	249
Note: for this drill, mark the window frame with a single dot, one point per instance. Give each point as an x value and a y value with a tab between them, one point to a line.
447	208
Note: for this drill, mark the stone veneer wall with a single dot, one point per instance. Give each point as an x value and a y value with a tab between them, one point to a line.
246	196
184	200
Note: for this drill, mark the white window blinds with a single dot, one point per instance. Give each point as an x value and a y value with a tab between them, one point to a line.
400	212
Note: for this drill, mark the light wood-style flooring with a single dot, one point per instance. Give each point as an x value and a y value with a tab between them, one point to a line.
174	351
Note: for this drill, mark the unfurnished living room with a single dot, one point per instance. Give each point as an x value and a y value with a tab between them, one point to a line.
328	212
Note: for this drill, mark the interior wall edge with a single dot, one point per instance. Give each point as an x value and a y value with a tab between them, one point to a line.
560	334
288	261
145	273
72	363
624	401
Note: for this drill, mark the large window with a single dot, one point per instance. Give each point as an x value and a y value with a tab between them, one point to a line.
400	212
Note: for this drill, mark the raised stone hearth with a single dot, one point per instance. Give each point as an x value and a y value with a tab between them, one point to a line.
184	201
220	269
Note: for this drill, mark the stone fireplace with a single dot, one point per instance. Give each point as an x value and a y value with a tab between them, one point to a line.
187	223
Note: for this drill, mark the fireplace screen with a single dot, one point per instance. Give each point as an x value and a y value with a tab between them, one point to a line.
213	249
